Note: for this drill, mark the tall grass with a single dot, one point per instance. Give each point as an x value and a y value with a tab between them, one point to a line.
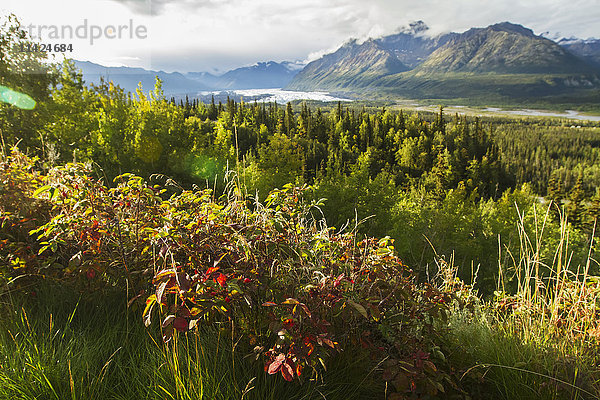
539	340
555	303
56	345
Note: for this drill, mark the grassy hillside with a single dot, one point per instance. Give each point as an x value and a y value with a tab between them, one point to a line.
501	87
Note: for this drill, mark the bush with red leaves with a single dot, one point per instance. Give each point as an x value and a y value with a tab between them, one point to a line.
274	273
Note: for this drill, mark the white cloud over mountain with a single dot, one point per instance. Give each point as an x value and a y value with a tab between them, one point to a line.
196	35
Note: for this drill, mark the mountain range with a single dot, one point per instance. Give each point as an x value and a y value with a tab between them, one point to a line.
502	61
263	75
587	49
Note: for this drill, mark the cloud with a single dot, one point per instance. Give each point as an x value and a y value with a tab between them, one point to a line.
196	35
157	7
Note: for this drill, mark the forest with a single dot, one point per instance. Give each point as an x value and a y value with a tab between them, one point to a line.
435	183
260	221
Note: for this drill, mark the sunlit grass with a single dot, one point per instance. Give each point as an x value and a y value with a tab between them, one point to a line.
539	339
54	345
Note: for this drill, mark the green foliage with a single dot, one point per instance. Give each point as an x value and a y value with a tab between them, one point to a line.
271	274
369	164
25	72
274	280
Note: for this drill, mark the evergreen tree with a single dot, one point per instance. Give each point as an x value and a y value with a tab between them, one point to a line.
576	206
593	213
440	123
289	121
556	195
212	109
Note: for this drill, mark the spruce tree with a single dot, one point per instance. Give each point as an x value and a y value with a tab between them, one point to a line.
212	109
576	207
593	213
556	195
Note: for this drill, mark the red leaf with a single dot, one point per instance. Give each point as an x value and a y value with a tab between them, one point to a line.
287	371
91	273
181	324
184	312
212	269
222	279
276	365
336	283
289	323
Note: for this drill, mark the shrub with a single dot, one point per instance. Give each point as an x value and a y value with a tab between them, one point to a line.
273	275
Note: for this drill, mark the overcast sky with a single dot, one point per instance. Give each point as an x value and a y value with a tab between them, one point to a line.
216	35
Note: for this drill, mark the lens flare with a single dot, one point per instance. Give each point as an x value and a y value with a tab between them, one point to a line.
17	99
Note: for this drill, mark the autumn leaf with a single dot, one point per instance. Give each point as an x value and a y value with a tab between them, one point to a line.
148	310
276	364
287	371
222	279
160	290
212	269
162	275
359	308
168	321
181	324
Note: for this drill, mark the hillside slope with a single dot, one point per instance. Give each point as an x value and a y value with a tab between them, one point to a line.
503	48
502	63
588	49
352	65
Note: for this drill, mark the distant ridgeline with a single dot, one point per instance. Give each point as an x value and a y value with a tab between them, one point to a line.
501	63
263	75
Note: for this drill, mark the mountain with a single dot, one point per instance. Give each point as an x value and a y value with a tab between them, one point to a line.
504	62
359	64
411	45
204	78
128	78
352	65
503	48
263	75
588	49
